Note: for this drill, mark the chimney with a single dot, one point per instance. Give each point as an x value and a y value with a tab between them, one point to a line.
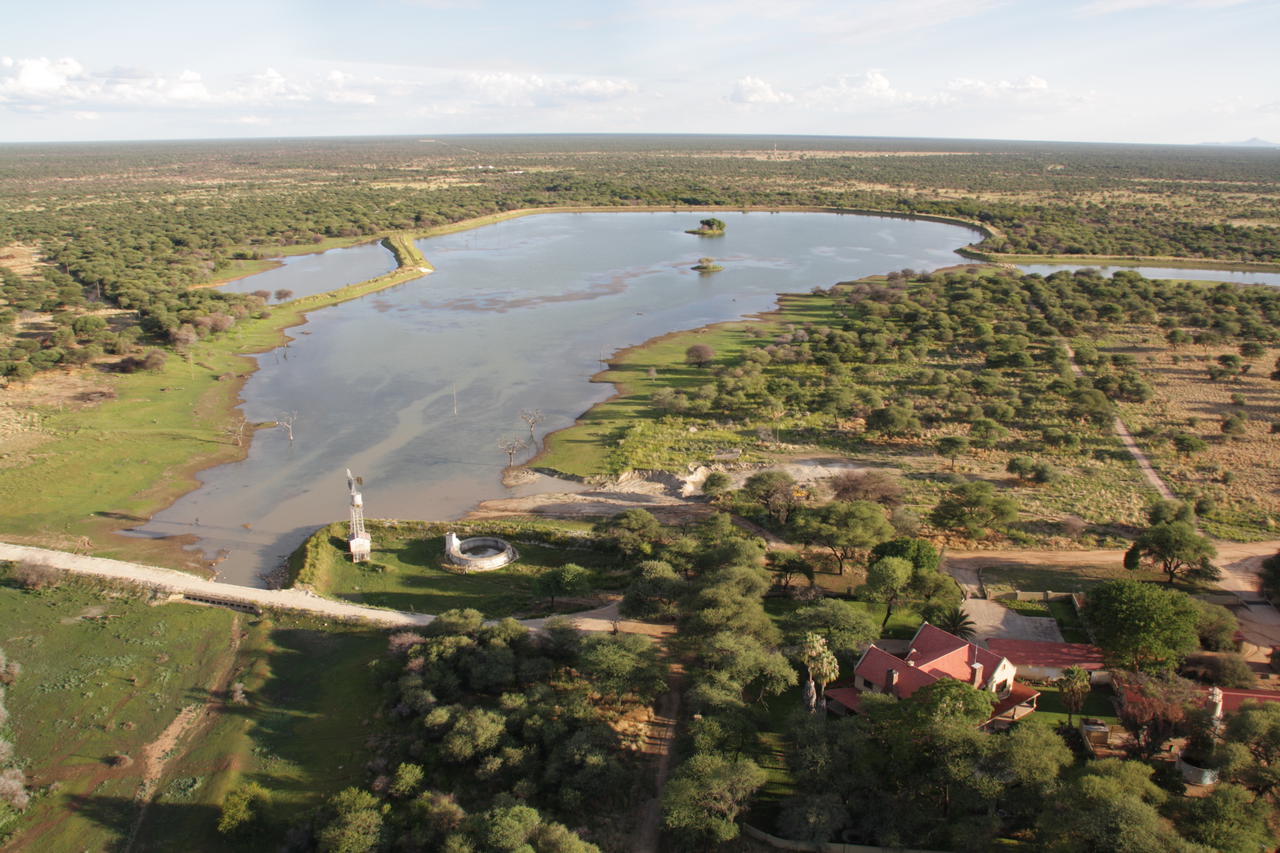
891	682
976	678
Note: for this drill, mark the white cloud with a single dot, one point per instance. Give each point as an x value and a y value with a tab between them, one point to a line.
41	84
753	90
508	89
860	90
1111	7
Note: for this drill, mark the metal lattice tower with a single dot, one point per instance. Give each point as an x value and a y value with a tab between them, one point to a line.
358	539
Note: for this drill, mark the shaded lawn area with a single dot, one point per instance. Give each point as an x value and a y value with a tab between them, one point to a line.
405	573
1049	707
1005	576
1069	623
771	751
902	625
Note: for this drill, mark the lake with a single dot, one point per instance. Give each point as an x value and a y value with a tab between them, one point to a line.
518	315
1237	276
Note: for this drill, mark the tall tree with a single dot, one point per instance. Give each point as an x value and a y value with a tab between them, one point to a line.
845	528
887	581
1140	626
1177	549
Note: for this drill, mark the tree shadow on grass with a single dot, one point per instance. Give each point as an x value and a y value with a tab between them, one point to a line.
118	815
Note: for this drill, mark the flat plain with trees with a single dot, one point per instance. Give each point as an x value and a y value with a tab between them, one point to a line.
981	401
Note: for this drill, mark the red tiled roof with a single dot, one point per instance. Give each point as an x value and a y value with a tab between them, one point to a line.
876	663
1233	698
934	650
850	697
1018	694
1039	653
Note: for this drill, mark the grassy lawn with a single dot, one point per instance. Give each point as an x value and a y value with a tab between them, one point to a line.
105	674
1005	576
1049	707
902	625
406	573
1068	621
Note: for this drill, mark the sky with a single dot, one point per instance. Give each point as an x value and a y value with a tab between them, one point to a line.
1154	71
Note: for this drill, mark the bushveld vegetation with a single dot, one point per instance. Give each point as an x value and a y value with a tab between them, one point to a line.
977	368
133	228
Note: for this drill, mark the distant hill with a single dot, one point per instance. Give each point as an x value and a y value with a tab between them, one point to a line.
1250	143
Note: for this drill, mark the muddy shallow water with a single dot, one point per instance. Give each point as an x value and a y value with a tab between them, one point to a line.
518	315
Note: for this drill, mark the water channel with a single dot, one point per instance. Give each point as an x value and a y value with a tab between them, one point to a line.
413	387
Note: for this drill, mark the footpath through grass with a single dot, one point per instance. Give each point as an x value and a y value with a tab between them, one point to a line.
103	675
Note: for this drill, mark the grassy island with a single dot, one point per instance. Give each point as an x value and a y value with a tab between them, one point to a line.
705	265
708	228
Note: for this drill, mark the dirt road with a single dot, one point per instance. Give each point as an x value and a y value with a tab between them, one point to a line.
599	620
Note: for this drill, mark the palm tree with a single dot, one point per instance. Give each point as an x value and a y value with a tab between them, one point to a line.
955	621
1073	688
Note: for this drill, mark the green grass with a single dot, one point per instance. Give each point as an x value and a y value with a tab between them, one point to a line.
1049	707
1068	622
1069	578
589	447
92	688
405	571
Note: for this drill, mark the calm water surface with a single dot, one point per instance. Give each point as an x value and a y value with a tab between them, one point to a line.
307	275
517	316
1269	278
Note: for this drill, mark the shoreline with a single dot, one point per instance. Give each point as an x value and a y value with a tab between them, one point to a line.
167	492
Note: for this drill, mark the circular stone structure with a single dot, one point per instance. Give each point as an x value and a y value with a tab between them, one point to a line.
479	553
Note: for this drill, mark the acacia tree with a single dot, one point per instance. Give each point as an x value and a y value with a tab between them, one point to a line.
532	417
1177	549
974	508
887	581
845	528
952	446
699	355
569	579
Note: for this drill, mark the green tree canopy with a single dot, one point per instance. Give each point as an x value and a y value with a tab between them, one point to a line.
1141	626
1177	549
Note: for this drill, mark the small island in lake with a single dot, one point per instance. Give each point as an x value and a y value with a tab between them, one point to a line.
708	228
707	265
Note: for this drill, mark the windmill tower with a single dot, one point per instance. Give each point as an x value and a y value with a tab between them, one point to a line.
358	539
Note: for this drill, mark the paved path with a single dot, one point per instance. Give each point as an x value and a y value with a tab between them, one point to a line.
599	620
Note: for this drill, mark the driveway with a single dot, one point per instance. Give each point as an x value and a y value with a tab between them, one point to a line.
994	620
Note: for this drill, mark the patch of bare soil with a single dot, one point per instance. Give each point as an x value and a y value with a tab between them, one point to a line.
21	259
592	504
658	742
157	754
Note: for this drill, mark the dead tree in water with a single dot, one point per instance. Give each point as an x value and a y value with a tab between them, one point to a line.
511	446
532	417
285	422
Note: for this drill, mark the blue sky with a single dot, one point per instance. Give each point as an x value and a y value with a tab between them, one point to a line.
1165	71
